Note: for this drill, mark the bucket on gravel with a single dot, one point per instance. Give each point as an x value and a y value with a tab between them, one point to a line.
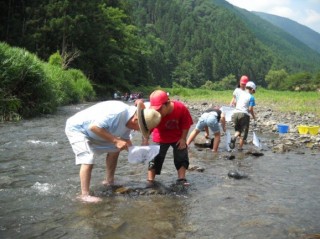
303	129
314	130
283	128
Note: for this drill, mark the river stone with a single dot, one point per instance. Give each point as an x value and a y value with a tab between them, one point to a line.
281	148
229	157
265	115
196	168
237	174
119	225
163	226
254	153
123	190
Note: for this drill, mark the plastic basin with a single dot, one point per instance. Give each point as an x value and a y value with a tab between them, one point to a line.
283	128
314	130
303	129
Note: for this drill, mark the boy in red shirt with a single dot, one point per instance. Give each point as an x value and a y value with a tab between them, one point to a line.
172	131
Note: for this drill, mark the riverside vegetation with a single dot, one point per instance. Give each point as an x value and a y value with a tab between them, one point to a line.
30	87
60	52
281	101
123	44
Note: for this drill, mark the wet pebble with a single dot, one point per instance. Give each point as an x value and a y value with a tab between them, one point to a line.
123	190
254	153
237	174
230	157
196	168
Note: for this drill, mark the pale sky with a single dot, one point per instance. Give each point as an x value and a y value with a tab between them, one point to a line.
305	12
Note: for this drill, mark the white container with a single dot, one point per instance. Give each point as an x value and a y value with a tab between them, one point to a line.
228	111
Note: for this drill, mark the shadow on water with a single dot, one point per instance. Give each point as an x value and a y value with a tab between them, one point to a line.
278	198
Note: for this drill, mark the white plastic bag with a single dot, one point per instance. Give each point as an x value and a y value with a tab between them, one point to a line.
228	140
142	154
228	111
256	140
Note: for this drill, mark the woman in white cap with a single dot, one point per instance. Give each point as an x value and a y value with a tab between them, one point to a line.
241	115
105	128
241	87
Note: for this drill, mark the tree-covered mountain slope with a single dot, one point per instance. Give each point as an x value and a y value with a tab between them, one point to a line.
125	43
296	54
304	34
209	39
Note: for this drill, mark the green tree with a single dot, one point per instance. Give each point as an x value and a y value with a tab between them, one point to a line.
298	81
275	79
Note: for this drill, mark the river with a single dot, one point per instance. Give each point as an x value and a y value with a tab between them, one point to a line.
39	182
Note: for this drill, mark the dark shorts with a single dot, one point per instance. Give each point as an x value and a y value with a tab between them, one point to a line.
180	157
241	124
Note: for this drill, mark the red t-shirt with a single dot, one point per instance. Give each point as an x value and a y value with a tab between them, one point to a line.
171	126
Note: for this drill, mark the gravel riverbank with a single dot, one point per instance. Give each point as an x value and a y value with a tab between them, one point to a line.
267	124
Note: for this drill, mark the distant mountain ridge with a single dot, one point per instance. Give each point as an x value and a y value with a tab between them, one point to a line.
285	45
206	40
306	35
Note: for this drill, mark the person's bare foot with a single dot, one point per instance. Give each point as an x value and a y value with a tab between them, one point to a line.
107	183
89	199
150	183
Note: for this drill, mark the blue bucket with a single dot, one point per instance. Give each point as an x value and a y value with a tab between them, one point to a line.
283	128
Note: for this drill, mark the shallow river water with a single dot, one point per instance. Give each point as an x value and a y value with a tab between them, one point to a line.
39	182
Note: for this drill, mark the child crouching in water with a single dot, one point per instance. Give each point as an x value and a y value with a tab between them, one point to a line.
210	119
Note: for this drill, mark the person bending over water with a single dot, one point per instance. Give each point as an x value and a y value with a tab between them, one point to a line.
209	119
105	128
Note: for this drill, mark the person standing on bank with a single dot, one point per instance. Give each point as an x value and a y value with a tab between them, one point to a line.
105	128
241	115
241	87
171	131
210	119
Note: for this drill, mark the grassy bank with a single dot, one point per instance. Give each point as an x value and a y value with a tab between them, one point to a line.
282	101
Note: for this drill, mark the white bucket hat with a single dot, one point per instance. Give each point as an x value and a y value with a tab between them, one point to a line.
252	85
147	119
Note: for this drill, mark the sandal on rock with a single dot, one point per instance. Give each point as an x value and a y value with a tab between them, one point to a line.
182	181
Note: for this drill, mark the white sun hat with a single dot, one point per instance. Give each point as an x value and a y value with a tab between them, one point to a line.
147	119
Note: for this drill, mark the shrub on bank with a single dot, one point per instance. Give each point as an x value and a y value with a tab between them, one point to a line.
70	86
30	87
25	88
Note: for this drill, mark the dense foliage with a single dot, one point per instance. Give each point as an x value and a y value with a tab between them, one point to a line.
302	81
99	30
126	43
31	87
206	42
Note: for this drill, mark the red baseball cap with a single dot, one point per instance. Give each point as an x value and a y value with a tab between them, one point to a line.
244	80
157	99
